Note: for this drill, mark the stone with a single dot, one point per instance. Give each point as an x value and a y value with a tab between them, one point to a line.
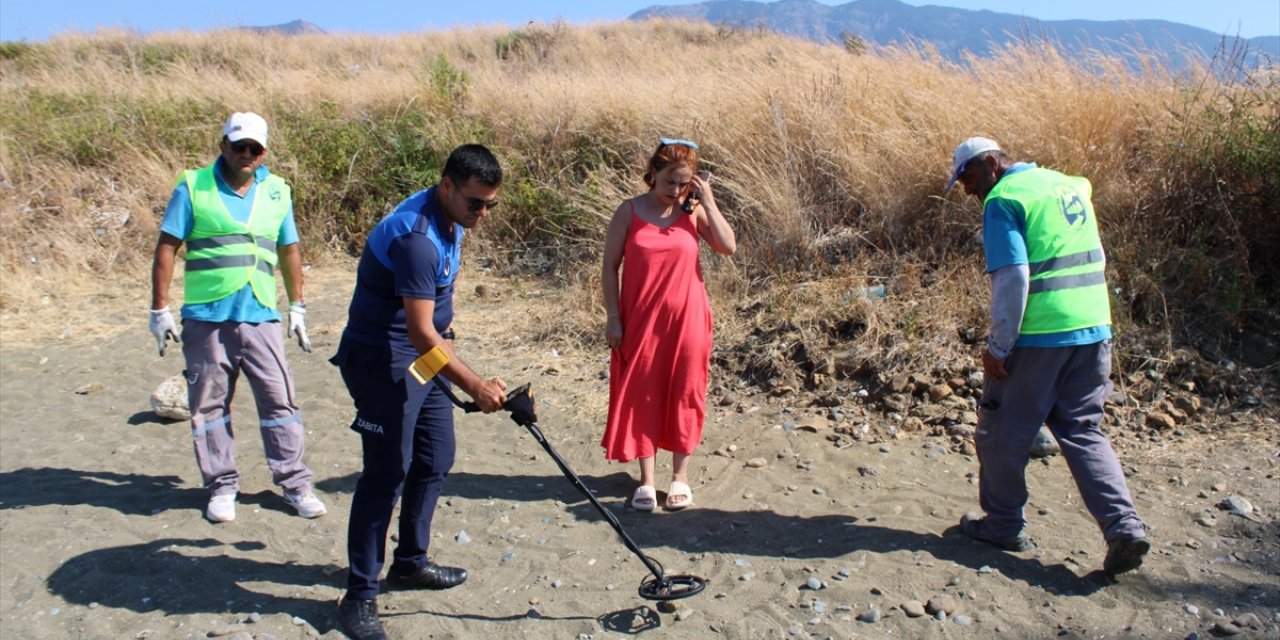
1226	629
871	616
1045	445
756	463
169	400
944	603
939	391
913	608
91	388
1236	504
1161	421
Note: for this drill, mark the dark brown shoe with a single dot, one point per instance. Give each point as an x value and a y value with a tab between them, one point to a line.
1124	555
429	576
975	526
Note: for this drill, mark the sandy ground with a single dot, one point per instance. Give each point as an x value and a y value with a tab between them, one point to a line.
102	534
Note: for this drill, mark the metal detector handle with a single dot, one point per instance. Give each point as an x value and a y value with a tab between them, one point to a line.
469	406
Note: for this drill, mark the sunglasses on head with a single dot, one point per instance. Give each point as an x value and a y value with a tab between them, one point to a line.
240	146
684	143
476	204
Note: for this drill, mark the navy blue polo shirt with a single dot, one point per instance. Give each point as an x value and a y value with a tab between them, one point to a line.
412	253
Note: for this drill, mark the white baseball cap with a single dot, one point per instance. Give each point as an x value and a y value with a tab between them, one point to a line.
246	125
968	150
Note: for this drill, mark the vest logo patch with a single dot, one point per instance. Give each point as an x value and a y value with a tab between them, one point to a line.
1072	205
274	194
371	427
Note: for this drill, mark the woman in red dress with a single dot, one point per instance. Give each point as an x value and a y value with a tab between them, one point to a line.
659	319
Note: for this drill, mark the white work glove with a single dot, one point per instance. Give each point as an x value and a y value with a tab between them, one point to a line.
298	324
163	328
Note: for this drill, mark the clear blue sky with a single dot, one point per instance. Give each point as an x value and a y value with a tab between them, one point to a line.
35	20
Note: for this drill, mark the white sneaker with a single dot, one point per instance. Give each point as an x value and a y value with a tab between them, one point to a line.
222	508
305	503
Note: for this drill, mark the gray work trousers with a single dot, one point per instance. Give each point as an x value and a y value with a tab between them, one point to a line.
216	353
1063	388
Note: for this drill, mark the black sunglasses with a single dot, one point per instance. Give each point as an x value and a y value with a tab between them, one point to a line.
476	204
240	146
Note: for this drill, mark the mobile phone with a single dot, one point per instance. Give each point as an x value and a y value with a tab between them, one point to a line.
690	201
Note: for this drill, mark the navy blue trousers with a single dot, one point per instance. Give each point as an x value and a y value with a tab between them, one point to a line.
406	432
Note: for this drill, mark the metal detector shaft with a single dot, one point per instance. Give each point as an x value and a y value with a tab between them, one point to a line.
608	516
661	586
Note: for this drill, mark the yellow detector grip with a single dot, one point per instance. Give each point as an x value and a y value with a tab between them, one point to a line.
429	364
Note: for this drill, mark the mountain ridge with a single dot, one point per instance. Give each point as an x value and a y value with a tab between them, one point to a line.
955	32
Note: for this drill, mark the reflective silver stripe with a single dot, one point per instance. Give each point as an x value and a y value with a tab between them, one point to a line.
1067	282
266	267
218	241
223	262
268	244
1067	261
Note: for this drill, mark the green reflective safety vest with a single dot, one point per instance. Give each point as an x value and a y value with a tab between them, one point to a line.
224	254
1068	288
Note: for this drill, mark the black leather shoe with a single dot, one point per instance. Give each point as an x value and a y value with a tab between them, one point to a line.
1124	555
360	619
430	576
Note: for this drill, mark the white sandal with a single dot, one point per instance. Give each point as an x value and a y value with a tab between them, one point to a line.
679	490
645	498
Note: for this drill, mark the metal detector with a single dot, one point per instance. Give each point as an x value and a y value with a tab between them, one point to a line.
520	405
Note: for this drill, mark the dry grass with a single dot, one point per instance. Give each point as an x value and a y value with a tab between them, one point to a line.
830	164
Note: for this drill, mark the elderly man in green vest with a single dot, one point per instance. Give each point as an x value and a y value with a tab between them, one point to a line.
1048	358
236	219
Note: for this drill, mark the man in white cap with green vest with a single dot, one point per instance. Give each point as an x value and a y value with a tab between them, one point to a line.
1048	358
236	219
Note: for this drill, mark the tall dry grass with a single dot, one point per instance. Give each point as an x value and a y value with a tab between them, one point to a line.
830	163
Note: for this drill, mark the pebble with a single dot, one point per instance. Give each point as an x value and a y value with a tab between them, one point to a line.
1225	628
221	631
557	584
297	621
1206	520
756	463
746	577
255	617
985	569
1044	445
944	603
871	616
963	620
1191	609
1236	504
819	607
463	538
91	388
1248	620
814	584
913	608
